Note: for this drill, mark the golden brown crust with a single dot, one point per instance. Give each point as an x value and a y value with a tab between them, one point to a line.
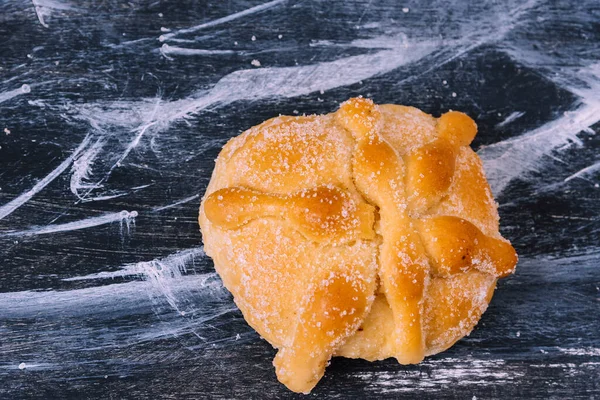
323	214
378	173
367	233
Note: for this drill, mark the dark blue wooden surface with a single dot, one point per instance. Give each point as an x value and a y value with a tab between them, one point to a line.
111	114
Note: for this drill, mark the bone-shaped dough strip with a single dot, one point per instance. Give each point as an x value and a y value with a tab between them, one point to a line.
429	172
455	245
378	172
430	169
335	307
322	214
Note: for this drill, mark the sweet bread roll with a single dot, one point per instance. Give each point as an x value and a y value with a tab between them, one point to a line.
367	233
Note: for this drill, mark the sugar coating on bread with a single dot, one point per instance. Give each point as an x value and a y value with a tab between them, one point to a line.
367	233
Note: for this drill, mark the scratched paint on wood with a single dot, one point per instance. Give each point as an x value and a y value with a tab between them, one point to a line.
112	113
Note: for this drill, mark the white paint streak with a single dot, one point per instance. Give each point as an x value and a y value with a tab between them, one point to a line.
515	157
166	49
488	29
136	140
82	169
28	365
445	371
160	273
585	171
512	117
128	296
24	89
39	11
122	115
123	216
142	186
588	351
174	262
565	268
287	82
249	84
43	9
104	197
229	18
182	201
252	84
162	280
12	205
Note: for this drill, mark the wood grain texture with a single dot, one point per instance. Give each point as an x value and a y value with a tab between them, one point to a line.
105	291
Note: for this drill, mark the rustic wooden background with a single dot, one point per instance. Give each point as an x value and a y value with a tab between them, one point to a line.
112	112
